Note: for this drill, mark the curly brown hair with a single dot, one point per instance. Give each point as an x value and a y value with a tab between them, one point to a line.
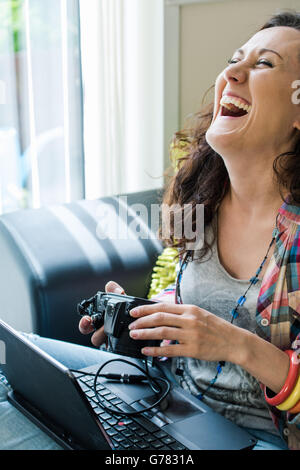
201	176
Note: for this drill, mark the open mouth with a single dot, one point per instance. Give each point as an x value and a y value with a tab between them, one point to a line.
233	106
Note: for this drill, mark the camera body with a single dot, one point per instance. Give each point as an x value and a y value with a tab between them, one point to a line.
112	311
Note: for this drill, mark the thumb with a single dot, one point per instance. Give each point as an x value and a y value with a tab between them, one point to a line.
114	287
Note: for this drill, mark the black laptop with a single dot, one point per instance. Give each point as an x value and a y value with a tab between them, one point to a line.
64	404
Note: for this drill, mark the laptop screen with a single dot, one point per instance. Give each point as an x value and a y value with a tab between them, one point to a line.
48	386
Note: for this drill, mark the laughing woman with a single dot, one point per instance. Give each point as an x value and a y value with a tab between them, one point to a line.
236	316
235	319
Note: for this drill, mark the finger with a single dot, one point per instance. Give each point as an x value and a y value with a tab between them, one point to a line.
157	307
86	325
164	351
114	287
165	342
98	337
157	319
162	332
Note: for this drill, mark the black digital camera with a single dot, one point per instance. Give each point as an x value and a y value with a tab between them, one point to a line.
112	311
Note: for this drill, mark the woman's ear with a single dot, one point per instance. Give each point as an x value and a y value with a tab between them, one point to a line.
297	124
296	102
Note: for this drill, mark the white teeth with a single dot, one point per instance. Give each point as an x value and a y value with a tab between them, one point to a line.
234	100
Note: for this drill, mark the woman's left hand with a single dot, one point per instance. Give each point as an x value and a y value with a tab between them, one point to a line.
199	333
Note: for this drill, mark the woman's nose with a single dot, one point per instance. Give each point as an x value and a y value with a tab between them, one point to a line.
235	73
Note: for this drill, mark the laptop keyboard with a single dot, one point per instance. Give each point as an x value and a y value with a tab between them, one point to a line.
126	432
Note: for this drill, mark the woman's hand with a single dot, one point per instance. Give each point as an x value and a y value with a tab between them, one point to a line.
199	333
85	324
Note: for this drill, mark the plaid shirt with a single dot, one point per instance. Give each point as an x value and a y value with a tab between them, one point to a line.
278	305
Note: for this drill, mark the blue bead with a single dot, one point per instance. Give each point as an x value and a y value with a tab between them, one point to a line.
234	313
242	300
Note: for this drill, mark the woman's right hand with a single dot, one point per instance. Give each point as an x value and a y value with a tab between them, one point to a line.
85	324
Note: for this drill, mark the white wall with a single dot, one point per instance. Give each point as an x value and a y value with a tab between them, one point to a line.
209	33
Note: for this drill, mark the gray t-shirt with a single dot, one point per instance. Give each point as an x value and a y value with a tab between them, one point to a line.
236	394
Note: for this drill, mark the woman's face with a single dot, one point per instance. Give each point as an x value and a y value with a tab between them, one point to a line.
254	110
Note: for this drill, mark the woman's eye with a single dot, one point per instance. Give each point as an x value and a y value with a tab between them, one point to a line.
232	61
265	62
259	62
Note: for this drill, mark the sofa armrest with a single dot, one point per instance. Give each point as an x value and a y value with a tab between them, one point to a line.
54	257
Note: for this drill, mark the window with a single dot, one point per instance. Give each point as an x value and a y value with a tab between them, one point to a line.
82	99
41	138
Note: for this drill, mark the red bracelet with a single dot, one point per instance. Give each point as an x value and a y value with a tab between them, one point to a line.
295	409
289	383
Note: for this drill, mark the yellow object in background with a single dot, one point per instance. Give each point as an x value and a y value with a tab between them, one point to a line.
164	271
176	152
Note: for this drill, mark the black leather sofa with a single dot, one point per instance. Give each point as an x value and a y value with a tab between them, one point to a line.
53	257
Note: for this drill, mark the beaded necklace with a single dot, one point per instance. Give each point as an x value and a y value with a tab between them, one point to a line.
234	312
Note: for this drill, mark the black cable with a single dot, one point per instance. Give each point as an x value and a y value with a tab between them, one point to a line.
151	381
147	374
